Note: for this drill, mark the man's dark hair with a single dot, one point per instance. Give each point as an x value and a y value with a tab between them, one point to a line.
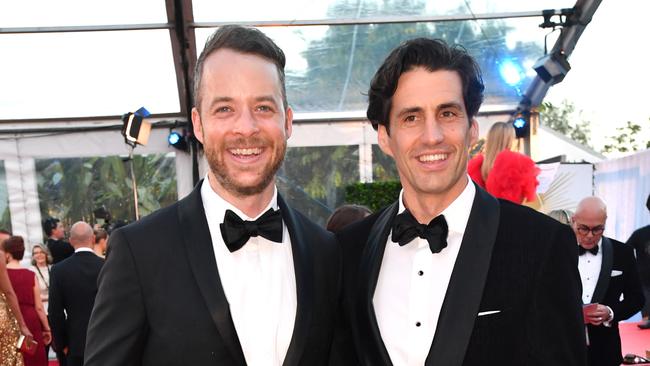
245	40
647	203
433	55
49	225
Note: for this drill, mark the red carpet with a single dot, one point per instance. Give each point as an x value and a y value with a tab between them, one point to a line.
633	339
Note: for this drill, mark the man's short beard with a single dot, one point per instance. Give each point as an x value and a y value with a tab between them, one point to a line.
220	173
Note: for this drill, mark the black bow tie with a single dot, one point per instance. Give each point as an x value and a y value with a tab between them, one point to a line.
406	228
236	232
582	250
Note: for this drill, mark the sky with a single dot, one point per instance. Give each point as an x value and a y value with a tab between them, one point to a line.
609	77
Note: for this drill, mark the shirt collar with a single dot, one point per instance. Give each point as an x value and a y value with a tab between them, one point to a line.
83	249
457	213
217	206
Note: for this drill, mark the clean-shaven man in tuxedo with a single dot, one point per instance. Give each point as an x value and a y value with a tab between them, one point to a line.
230	275
449	275
73	286
610	282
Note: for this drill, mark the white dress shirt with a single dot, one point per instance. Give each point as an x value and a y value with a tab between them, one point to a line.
589	268
259	283
412	285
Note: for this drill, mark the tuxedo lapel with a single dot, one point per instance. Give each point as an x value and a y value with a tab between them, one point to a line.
202	261
303	268
465	290
369	334
605	271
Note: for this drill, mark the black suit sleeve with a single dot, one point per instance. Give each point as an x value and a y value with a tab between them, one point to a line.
555	317
117	327
633	298
56	313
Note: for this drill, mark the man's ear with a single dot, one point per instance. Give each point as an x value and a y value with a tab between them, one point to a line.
288	124
473	132
196	123
384	140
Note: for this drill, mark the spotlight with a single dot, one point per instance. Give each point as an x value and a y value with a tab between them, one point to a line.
178	140
521	122
174	137
510	72
552	68
135	129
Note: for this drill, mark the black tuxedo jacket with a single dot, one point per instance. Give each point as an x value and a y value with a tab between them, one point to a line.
59	249
73	286
512	260
161	302
618	276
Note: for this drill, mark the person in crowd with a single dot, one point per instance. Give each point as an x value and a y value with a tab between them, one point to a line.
611	290
504	173
448	274
29	298
345	215
41	266
101	238
72	294
562	215
229	275
640	241
58	247
12	323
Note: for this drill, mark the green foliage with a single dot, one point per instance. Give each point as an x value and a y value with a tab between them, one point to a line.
71	189
561	119
312	178
373	195
626	140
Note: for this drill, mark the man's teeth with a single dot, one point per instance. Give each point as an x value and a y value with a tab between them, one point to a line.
246	152
433	157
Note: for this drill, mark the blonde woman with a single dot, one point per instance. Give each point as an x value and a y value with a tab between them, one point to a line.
504	173
41	265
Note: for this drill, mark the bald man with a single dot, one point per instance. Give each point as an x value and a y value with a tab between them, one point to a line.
73	285
610	282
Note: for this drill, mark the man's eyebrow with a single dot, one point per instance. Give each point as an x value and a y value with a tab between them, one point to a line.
216	100
408	110
450	105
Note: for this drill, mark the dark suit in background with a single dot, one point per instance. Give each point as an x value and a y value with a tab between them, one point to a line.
640	241
60	249
512	260
161	302
618	278
73	286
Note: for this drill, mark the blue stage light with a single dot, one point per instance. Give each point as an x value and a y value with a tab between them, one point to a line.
511	72
519	122
174	137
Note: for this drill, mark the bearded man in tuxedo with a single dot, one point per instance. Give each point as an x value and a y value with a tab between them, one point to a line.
229	275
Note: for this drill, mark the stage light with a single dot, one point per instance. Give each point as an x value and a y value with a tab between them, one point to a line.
521	123
174	137
178	140
552	68
135	129
510	72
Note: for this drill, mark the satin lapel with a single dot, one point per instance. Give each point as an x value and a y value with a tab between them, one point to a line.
303	268
605	271
204	266
465	290
371	259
